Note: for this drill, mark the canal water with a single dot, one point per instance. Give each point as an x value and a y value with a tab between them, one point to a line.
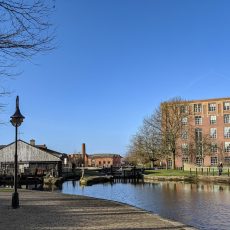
204	206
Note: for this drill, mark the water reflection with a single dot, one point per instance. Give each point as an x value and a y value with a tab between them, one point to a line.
204	206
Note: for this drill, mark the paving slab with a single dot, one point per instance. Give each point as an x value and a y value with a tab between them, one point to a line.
53	210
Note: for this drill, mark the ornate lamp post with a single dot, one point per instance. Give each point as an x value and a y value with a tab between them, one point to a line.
16	121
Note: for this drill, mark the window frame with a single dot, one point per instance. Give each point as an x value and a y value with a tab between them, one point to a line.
183	121
227	160
227	134
197	108
212	121
226	107
226	118
211	107
198	120
214	161
169	163
199	161
226	147
184	135
214	148
184	148
213	135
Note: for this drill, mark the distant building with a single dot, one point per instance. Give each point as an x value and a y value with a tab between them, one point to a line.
76	159
104	160
31	159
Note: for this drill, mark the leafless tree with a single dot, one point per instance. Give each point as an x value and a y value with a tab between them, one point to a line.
199	144
174	117
145	146
25	31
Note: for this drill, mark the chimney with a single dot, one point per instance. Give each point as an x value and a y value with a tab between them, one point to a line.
32	142
83	153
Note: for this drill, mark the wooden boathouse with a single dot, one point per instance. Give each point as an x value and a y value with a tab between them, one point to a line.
32	159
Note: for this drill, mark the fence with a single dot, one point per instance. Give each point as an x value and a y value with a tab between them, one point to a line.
209	171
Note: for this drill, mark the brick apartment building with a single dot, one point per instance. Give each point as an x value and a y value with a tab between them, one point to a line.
208	117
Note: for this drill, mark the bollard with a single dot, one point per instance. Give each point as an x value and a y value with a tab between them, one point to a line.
190	171
196	171
202	171
207	171
228	171
213	172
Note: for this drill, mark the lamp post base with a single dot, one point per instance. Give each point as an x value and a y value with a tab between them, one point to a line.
15	200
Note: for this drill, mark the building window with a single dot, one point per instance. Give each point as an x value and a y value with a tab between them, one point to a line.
169	163
214	161
184	109
198	135
227	160
214	148
197	108
226	105
185	160
184	148
226	132
226	118
227	147
99	163
213	132
212	120
199	161
198	120
184	120
212	107
184	135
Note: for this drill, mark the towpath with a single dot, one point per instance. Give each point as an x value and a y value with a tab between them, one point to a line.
53	210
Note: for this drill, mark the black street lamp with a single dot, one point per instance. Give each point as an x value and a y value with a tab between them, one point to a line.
16	121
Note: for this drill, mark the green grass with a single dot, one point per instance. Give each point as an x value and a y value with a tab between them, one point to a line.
171	172
6	190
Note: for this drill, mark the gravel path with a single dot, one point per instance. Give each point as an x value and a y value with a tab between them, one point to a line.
53	210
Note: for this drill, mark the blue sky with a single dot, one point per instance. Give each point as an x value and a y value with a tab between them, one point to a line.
115	62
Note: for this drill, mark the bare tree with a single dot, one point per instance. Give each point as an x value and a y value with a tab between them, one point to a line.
200	144
136	154
145	146
174	117
25	31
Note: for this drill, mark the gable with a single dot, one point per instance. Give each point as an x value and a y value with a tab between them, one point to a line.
26	153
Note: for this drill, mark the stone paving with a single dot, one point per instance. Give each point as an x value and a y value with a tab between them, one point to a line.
53	210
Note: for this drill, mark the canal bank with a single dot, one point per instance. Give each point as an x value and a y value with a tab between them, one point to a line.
192	179
47	210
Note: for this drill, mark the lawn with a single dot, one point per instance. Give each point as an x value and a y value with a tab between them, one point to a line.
6	190
171	172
